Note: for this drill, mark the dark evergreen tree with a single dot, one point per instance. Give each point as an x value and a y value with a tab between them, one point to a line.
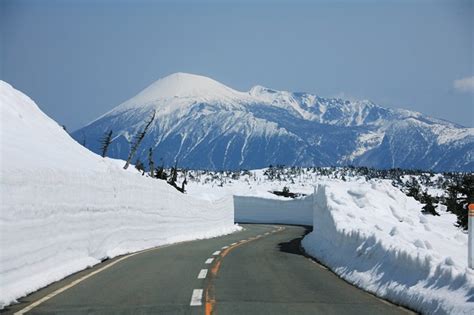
151	163
460	195
105	142
138	139
413	189
161	173
429	207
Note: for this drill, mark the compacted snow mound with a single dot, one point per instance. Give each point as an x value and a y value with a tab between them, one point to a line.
374	236
64	208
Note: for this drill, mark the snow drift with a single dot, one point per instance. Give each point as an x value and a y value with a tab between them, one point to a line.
64	208
374	236
262	210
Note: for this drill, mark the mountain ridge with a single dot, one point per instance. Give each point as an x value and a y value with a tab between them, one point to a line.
205	124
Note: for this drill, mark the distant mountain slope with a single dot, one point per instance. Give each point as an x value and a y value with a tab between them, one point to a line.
205	124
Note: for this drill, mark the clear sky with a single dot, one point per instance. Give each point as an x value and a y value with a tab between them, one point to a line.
79	59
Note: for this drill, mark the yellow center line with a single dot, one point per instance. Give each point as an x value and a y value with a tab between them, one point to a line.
210	296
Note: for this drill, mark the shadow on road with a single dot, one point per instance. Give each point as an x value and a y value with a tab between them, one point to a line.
294	246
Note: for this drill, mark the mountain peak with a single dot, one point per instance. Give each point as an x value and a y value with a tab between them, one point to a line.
184	85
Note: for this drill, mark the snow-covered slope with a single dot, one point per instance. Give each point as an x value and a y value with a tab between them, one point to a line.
205	124
374	236
64	208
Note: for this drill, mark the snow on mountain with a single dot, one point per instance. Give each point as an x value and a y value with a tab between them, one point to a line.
64	208
202	123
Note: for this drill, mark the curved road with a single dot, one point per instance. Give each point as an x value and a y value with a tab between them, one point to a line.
257	271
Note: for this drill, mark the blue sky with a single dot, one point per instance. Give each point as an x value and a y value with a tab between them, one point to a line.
79	59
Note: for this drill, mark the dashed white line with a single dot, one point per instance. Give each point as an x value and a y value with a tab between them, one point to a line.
209	261
196	298
202	274
217	252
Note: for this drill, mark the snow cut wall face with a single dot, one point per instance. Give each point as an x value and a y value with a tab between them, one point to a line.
261	210
63	208
375	237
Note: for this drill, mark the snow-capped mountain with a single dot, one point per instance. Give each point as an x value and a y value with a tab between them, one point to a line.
202	123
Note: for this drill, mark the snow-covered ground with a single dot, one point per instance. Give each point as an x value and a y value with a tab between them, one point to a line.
376	237
64	208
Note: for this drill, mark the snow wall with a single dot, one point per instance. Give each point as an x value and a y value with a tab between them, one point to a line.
375	237
61	229
261	210
64	208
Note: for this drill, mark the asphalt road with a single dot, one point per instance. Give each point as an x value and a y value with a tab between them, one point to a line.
260	270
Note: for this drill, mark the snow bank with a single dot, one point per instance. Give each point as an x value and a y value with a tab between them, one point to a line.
262	210
64	208
374	236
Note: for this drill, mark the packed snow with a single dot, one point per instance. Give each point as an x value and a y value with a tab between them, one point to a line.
64	208
374	236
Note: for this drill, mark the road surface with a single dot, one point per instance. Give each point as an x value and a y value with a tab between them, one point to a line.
257	271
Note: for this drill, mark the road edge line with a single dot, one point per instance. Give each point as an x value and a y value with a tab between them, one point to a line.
77	281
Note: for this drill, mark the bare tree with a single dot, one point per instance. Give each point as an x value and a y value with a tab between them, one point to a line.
105	142
138	139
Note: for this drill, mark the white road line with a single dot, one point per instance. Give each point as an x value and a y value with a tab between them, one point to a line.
196	298
70	285
224	247
202	274
209	261
216	253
